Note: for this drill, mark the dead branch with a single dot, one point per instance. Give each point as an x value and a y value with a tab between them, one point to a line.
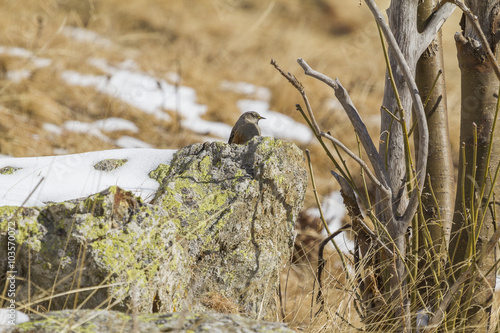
293	80
437	20
380	179
423	146
353	114
321	265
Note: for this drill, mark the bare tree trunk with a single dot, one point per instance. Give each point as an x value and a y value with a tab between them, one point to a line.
438	195
470	232
402	20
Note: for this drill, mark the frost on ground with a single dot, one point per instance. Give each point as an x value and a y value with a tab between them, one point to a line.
69	177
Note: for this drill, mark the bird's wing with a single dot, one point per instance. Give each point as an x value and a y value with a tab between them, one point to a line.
231	136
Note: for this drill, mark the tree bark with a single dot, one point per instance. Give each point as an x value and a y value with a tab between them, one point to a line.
438	195
471	231
402	17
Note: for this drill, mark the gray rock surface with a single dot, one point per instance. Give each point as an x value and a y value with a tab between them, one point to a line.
117	322
215	237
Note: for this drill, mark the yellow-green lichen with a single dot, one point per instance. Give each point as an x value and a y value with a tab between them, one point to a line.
158	174
110	164
6	214
8	170
22	221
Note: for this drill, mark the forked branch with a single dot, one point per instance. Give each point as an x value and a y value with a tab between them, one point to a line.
437	20
380	178
421	119
353	114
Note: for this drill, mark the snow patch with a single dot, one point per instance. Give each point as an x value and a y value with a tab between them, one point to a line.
245	88
21	74
70	177
85	128
334	211
131	142
115	124
52	128
87	36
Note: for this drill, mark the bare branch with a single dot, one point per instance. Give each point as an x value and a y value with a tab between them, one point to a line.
385	189
351	203
293	80
477	27
436	22
351	111
423	144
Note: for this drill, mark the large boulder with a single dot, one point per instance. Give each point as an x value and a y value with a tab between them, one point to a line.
215	236
101	321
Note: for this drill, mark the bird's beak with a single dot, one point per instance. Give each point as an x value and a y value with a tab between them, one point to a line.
260	117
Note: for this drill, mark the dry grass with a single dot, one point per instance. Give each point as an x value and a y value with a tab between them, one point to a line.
206	42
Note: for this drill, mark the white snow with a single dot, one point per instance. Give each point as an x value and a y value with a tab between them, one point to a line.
116	124
97	127
52	128
17	75
23	53
155	96
15	51
11	316
88	36
149	93
131	142
141	90
86	128
334	210
206	127
73	176
245	88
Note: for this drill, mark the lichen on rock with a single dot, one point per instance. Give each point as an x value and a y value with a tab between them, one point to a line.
110	164
8	170
221	227
97	321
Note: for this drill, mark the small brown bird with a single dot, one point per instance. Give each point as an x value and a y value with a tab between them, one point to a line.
245	128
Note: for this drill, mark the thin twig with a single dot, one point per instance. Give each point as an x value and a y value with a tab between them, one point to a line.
325	225
293	80
363	165
321	265
355	213
382	179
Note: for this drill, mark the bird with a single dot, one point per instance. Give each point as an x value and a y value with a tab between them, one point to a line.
245	128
